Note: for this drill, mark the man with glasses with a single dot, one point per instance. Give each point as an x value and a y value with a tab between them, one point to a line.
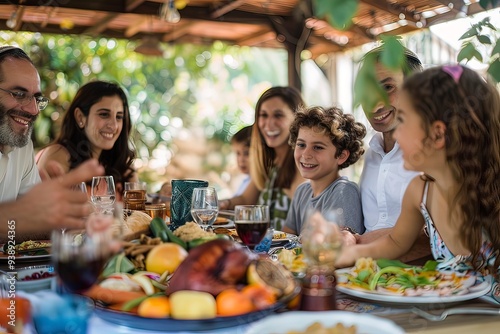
27	206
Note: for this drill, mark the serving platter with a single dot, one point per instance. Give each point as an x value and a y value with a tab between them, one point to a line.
25	256
478	289
176	325
299	321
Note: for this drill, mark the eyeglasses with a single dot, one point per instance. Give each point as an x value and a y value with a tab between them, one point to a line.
24	98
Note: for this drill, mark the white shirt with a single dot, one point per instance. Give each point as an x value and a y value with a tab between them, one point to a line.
383	183
18	172
243	185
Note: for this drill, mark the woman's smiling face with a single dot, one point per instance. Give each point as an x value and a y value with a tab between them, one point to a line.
104	123
274	120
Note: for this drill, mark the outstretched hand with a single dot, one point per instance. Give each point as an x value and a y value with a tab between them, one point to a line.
53	203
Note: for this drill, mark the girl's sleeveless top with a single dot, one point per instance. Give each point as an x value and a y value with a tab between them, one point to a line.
461	263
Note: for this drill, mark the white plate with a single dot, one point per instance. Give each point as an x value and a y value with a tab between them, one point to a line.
282	241
299	321
35	284
479	289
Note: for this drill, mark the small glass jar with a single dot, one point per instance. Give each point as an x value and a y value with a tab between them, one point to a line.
318	289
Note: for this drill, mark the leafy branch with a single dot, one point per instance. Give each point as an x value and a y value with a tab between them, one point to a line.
479	35
367	90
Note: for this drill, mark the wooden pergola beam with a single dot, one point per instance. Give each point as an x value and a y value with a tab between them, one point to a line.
130	5
257	38
227	8
102	25
392	8
136	27
178	32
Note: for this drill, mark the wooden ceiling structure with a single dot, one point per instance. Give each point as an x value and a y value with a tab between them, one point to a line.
288	24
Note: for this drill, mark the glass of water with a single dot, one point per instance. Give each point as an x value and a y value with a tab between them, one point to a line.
204	206
103	193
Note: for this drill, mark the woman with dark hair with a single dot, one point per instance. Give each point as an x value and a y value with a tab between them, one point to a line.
96	125
274	176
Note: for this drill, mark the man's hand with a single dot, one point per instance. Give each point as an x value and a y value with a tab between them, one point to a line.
53	203
52	171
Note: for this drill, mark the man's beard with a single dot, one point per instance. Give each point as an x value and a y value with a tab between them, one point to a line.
8	137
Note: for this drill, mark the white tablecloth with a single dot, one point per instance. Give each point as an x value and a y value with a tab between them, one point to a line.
99	326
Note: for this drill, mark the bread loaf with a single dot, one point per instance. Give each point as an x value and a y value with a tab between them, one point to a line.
135	223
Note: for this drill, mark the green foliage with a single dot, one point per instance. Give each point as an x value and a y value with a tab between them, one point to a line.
393	52
368	92
338	12
211	87
479	37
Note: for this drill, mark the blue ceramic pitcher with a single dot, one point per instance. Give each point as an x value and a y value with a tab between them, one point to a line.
180	207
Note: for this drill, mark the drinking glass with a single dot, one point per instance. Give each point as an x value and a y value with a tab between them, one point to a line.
252	222
79	256
80	187
134	195
103	193
321	237
204	206
321	245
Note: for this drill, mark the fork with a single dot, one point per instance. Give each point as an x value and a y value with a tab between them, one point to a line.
463	310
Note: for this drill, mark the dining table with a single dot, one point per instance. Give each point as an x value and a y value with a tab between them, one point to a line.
401	315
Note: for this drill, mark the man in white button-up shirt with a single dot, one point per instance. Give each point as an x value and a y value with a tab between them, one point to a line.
29	208
384	179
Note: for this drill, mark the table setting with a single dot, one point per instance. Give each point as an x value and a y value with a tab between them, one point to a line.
259	281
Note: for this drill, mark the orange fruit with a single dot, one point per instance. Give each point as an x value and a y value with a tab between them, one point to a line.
165	257
154	307
17	309
232	302
261	296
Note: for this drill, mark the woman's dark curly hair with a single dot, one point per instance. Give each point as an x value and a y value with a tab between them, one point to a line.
343	130
117	161
470	108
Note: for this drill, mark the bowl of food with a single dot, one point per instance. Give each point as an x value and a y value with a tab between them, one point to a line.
35	278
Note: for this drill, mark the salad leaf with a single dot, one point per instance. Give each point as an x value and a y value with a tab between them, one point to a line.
364	275
382	263
430	265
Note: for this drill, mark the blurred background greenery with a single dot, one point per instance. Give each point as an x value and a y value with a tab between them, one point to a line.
194	97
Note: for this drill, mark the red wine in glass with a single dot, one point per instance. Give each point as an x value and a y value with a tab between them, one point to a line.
78	275
251	233
78	259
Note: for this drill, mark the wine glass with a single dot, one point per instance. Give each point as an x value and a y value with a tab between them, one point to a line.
204	206
321	245
79	256
103	193
252	222
321	237
80	187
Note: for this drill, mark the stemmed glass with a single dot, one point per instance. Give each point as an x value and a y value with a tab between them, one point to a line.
103	193
321	240
204	206
252	222
79	256
80	187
